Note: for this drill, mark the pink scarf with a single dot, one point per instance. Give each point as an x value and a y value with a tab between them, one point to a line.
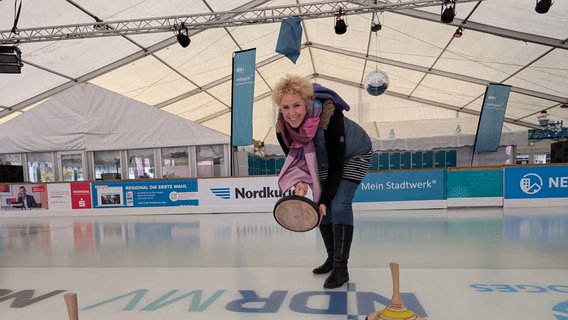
301	163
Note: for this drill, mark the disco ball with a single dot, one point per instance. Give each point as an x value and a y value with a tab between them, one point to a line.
377	83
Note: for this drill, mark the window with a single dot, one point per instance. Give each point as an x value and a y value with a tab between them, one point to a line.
107	164
40	167
175	162
14	159
72	167
141	163
210	161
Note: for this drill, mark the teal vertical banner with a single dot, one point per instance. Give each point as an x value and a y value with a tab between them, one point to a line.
491	119
244	65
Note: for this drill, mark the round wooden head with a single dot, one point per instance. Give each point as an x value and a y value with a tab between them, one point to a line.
296	213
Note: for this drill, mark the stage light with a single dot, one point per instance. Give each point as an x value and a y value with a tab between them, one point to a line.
376	26
542	6
10	59
458	33
183	35
340	25
448	11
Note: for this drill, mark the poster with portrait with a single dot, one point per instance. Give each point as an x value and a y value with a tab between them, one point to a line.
23	197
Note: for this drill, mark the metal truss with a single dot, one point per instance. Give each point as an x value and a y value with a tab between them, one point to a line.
222	19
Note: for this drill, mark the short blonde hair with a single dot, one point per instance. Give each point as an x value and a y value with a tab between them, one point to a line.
295	85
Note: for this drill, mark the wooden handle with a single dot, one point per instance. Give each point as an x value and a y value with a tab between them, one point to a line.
72	306
396	301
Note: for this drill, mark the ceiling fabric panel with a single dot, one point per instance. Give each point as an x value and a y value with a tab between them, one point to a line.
154	82
547	75
208	56
519	15
337	65
525	108
198	106
485	57
37	81
448	91
409	40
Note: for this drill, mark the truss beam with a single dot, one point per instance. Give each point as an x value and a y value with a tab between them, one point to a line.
222	19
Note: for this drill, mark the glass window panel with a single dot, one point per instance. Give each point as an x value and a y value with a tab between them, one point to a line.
141	163
175	162
40	167
107	164
14	159
72	167
210	161
540	158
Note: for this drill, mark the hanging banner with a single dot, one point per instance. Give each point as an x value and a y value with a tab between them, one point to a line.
491	118
244	65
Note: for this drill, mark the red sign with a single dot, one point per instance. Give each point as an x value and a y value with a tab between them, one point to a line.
81	195
38	188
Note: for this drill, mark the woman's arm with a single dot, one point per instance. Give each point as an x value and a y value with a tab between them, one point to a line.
335	145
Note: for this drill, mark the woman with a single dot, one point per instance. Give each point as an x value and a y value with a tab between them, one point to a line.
330	153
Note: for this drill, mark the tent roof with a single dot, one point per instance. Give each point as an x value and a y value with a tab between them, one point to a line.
435	78
87	117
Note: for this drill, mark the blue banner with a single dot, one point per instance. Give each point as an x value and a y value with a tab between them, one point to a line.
402	186
290	38
150	193
536	182
244	65
491	118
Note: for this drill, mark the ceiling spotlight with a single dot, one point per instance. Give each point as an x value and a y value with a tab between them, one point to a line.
376	26
340	25
458	33
448	11
183	35
458	129
392	134
542	6
10	59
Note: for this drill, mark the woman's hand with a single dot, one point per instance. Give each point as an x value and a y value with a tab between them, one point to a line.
323	212
301	188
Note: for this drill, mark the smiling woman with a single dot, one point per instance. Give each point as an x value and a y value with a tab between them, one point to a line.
328	152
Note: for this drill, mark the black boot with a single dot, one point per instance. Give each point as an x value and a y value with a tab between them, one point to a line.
326	231
342	237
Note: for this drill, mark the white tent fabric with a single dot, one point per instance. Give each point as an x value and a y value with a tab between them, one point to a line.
87	117
437	81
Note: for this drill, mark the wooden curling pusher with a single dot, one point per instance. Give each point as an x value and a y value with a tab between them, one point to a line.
296	213
396	309
72	306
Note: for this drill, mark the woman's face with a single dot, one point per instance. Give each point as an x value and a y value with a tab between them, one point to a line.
294	109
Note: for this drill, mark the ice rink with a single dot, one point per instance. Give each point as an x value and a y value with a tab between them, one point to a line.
455	264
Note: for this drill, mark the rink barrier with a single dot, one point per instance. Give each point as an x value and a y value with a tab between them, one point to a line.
509	186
